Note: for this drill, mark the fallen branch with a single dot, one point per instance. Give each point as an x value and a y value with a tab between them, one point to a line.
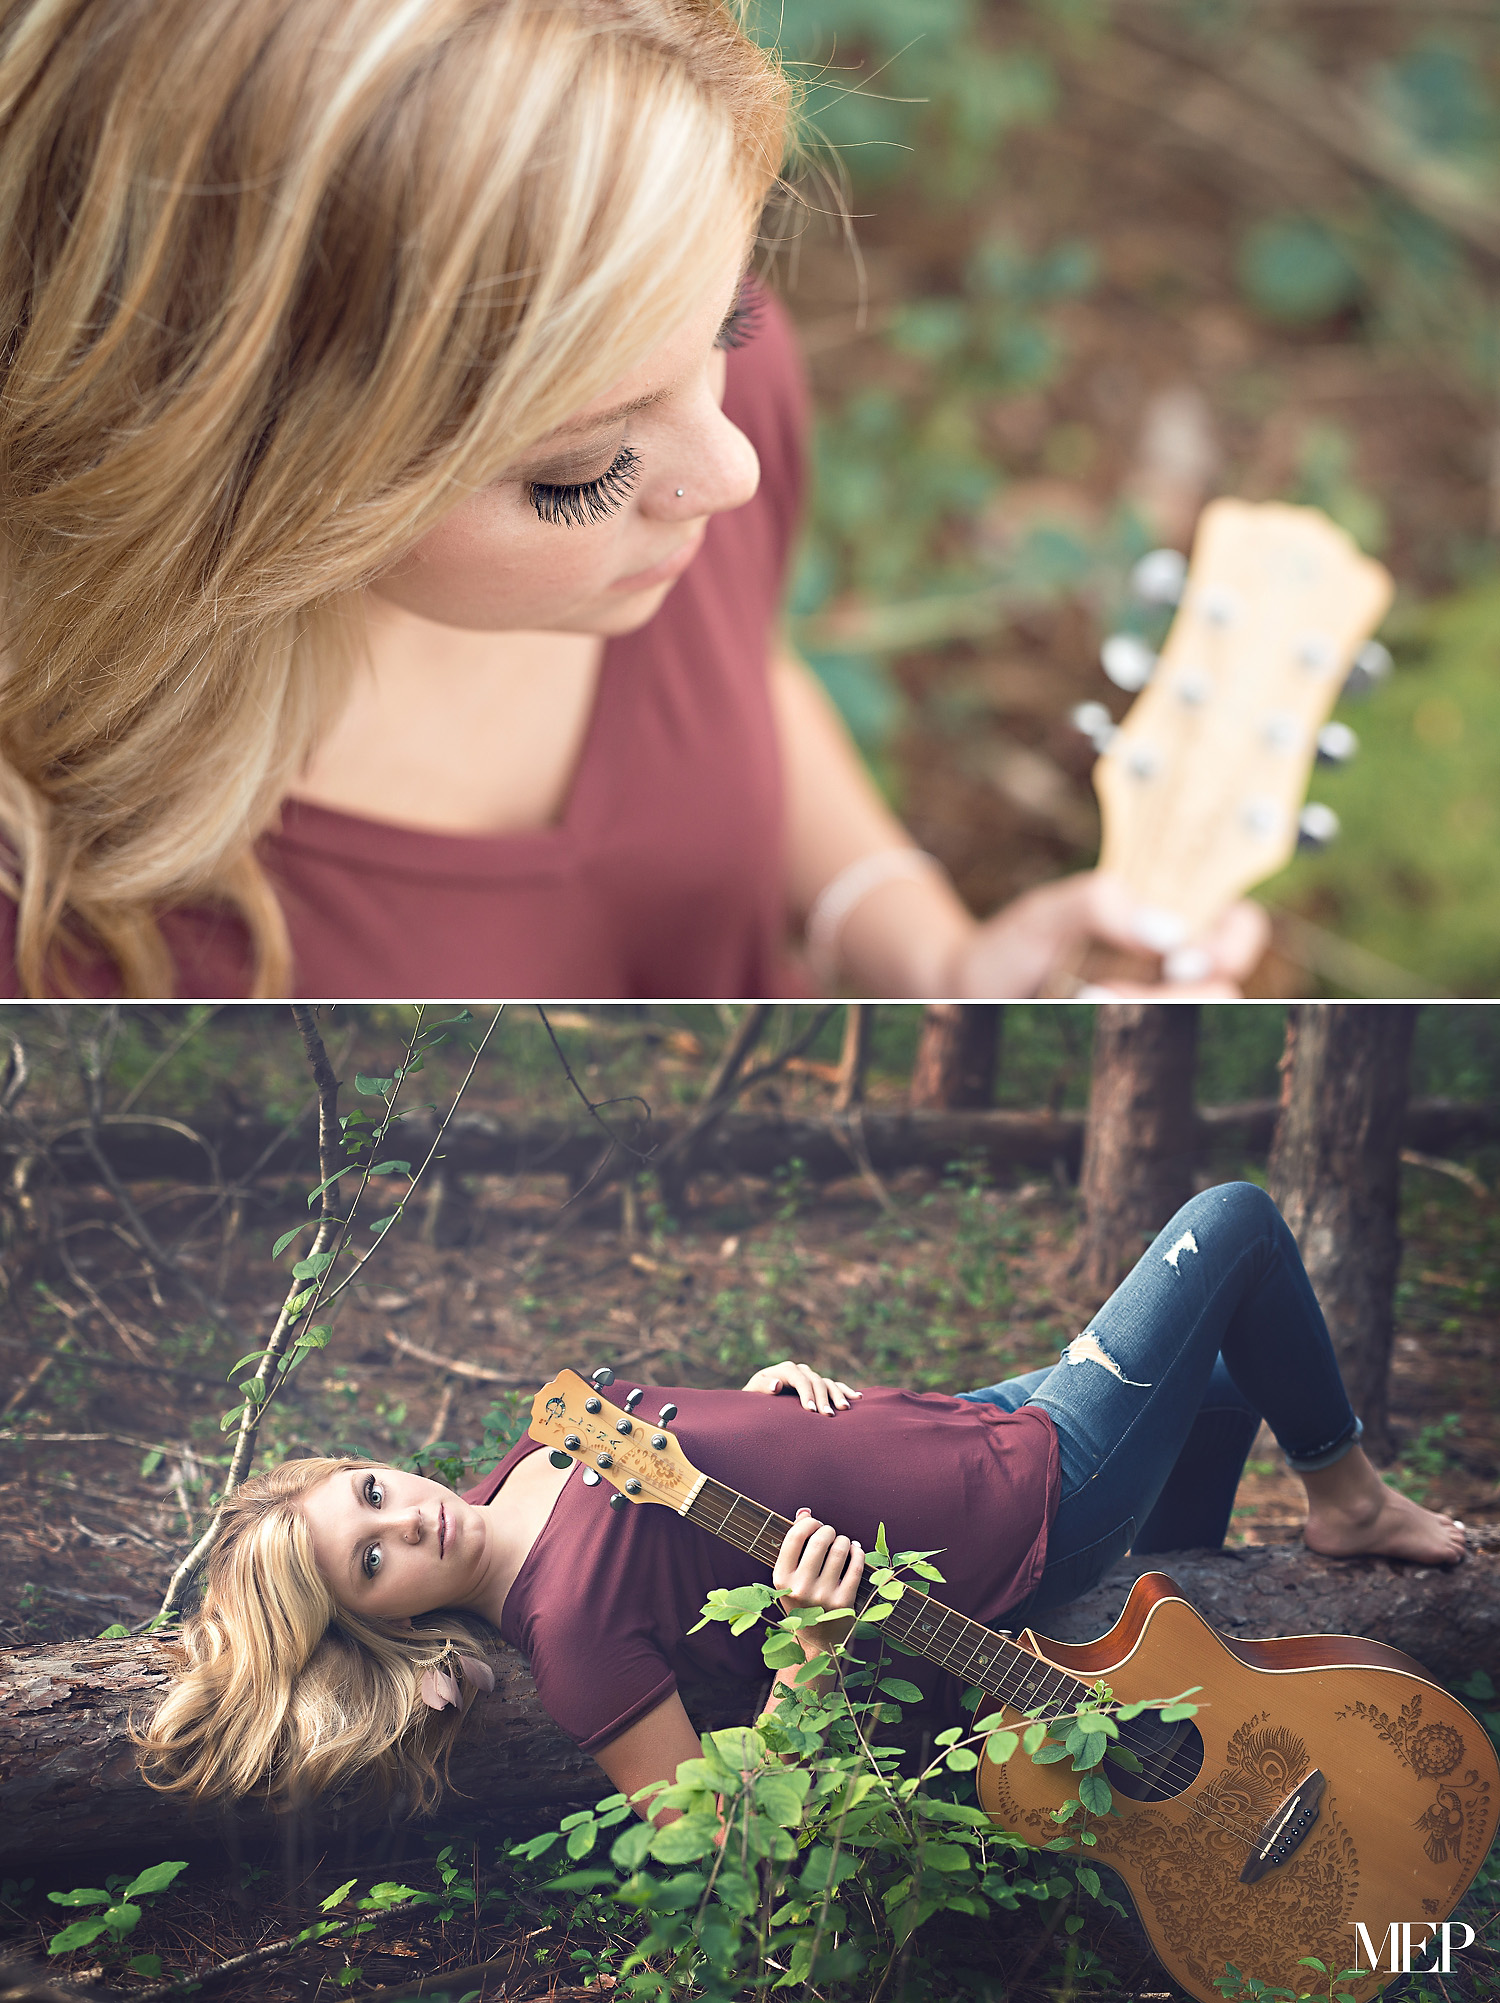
478	1143
475	1372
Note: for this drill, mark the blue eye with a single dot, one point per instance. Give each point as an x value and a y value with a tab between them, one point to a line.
370	1564
591	500
374	1493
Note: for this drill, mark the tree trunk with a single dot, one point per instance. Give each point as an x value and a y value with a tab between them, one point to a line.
1141	1139
854	1058
1335	1170
71	1786
72	1789
957	1054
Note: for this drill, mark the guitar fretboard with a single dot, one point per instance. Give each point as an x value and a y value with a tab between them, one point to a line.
966	1648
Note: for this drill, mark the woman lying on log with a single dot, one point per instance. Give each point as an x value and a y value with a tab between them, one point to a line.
401	468
341	1631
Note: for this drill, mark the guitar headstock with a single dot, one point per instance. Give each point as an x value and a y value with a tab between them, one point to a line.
1201	786
638	1456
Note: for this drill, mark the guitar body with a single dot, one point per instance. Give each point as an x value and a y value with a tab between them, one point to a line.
1409	1812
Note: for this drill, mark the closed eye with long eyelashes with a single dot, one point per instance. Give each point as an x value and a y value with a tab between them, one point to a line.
590	500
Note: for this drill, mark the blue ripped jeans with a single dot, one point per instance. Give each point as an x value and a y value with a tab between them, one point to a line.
1157	1402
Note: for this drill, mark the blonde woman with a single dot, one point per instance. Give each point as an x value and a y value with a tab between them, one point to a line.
397	473
339	1636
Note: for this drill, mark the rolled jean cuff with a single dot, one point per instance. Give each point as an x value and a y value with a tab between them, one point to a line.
1322	1457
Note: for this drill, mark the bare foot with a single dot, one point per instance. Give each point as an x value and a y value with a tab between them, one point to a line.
1381	1522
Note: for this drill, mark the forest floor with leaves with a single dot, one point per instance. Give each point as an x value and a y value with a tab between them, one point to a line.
951	1282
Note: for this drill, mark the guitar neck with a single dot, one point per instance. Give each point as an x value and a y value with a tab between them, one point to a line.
966	1648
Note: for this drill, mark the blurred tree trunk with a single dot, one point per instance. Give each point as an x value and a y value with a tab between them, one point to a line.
1139	1144
854	1059
957	1055
1335	1170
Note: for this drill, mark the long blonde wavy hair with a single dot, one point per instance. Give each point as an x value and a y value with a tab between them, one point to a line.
284	1692
280	282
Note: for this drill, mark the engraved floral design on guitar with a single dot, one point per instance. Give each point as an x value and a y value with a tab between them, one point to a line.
1431	1750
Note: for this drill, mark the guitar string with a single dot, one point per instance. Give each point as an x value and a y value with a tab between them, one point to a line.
1176	1770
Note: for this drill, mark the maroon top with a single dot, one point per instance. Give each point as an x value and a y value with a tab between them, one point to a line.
603	1603
664	876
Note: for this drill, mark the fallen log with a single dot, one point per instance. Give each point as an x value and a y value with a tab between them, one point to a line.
71	1787
754	1143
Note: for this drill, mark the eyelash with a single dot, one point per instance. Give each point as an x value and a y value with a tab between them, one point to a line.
572	506
744	320
591	500
372	1488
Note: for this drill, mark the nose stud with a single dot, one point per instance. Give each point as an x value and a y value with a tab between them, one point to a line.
680	492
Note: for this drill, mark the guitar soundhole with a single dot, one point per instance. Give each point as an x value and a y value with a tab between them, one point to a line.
1171	1757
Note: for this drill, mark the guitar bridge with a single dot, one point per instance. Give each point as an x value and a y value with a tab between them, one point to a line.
1285	1828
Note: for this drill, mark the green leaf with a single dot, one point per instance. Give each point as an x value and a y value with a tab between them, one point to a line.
1033	1736
79	1934
114	1632
1000	1746
685	1840
391	1168
251	1356
122	1919
946	1856
582	1839
152	1462
310	1267
145	1964
371	1087
280	1246
1172	1712
1048	1755
1094	1792
86	1895
231	1419
630	1851
156	1879
383	1224
1088	1877
315	1337
961	1759
900	1689
300	1302
338	1897
390	1893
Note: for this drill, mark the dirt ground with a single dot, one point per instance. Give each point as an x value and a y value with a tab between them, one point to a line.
954	1283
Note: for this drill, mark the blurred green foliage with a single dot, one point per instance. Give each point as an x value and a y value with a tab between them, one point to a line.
1416	876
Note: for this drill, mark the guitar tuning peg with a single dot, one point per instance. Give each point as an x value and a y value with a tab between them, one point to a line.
1127	660
1159	577
602	1378
1337	744
617	1501
560	1459
591	1477
1093	721
1372	666
1317	826
636	1396
667	1414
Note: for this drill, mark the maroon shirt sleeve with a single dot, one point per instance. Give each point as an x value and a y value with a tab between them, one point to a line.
603	1604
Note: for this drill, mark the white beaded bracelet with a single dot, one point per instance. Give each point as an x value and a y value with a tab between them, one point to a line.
839	896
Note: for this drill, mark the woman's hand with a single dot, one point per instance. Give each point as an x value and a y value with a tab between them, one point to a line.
1019	948
817	1568
818	1394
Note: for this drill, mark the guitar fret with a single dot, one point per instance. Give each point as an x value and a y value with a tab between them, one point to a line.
940	1634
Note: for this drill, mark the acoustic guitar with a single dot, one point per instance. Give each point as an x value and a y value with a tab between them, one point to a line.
1201	785
1325	1780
